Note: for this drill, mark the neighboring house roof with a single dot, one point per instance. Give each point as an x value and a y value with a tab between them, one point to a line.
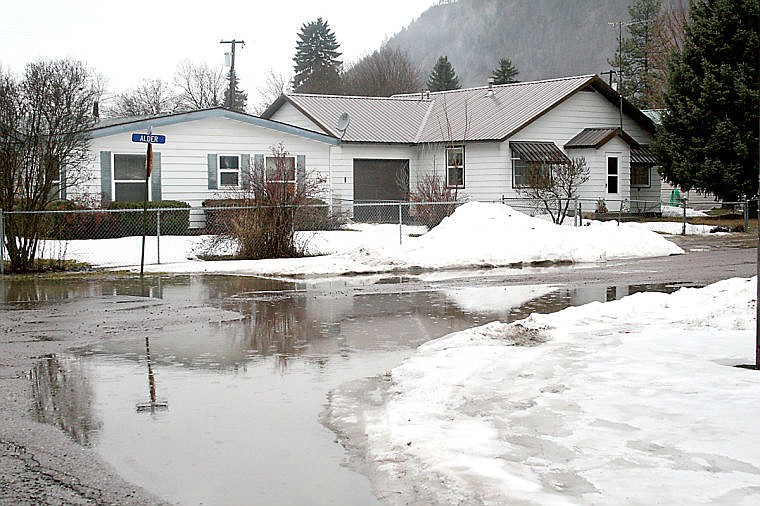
538	152
655	115
113	126
598	137
642	156
472	114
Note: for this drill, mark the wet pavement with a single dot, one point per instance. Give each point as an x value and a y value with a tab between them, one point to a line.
238	401
209	389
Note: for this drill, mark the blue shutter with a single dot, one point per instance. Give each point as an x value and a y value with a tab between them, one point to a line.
155	177
300	170
212	172
245	171
258	165
105	178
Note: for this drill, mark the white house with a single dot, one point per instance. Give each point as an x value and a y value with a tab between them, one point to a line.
482	140
206	155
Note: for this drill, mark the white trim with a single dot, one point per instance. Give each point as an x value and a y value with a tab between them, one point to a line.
219	170
619	157
128	181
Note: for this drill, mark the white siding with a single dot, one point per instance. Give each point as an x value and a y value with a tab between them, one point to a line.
184	157
292	116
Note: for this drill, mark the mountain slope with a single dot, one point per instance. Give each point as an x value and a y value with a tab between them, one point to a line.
543	38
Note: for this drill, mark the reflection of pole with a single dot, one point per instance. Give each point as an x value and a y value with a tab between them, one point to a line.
154	405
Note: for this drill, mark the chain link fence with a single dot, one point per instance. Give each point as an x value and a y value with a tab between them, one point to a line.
113	237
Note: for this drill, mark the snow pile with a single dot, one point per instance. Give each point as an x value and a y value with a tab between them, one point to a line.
476	235
626	402
677	212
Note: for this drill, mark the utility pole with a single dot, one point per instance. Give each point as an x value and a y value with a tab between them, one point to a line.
231	92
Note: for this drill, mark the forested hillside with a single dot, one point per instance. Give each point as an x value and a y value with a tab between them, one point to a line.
543	38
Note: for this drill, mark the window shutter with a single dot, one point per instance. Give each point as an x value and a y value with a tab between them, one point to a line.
155	177
258	167
212	172
300	169
245	171
105	177
62	184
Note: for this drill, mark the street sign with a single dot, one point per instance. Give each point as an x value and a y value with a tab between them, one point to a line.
151	138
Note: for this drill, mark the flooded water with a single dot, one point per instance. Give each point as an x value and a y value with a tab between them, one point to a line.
229	413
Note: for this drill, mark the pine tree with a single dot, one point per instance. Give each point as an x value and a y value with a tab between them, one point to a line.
709	137
316	60
633	56
505	73
239	98
443	77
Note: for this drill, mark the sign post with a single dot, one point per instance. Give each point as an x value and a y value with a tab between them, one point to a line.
149	138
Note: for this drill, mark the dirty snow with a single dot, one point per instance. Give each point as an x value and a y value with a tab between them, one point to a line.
476	235
677	212
634	401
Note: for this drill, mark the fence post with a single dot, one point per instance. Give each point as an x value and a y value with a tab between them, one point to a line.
2	242
620	212
575	221
683	226
580	213
746	214
400	233
158	236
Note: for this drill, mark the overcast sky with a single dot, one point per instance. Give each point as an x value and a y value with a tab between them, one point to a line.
129	40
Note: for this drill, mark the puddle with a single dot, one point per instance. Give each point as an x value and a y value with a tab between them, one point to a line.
238	403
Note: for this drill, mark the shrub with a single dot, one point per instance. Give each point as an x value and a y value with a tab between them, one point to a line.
76	224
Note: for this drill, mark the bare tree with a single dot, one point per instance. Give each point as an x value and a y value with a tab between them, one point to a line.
151	96
555	186
200	86
384	73
44	120
274	86
669	35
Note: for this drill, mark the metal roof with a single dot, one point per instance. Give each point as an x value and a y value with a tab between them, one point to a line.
598	137
538	152
124	125
473	114
642	156
372	119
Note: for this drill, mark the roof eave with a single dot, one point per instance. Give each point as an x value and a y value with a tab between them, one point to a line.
216	112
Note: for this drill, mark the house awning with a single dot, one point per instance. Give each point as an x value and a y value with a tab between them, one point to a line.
642	156
598	137
538	152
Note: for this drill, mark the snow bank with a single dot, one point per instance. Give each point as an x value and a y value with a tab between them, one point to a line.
626	402
476	235
677	212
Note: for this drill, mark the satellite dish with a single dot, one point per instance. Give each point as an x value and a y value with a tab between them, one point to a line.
343	122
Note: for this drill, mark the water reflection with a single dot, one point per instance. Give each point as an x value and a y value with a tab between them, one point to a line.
62	396
153	405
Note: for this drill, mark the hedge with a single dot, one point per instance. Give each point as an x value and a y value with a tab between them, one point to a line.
172	222
314	215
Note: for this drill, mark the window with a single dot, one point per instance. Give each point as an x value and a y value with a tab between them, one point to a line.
455	167
527	174
280	169
229	170
640	175
55	185
129	178
612	174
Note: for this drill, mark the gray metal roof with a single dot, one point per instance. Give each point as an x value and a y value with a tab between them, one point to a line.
642	156
538	152
373	119
597	137
124	125
471	114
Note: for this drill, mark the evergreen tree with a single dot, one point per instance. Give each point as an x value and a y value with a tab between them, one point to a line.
239	98
633	56
316	60
505	73
443	77
709	137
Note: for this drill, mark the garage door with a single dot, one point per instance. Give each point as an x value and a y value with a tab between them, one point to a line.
380	181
